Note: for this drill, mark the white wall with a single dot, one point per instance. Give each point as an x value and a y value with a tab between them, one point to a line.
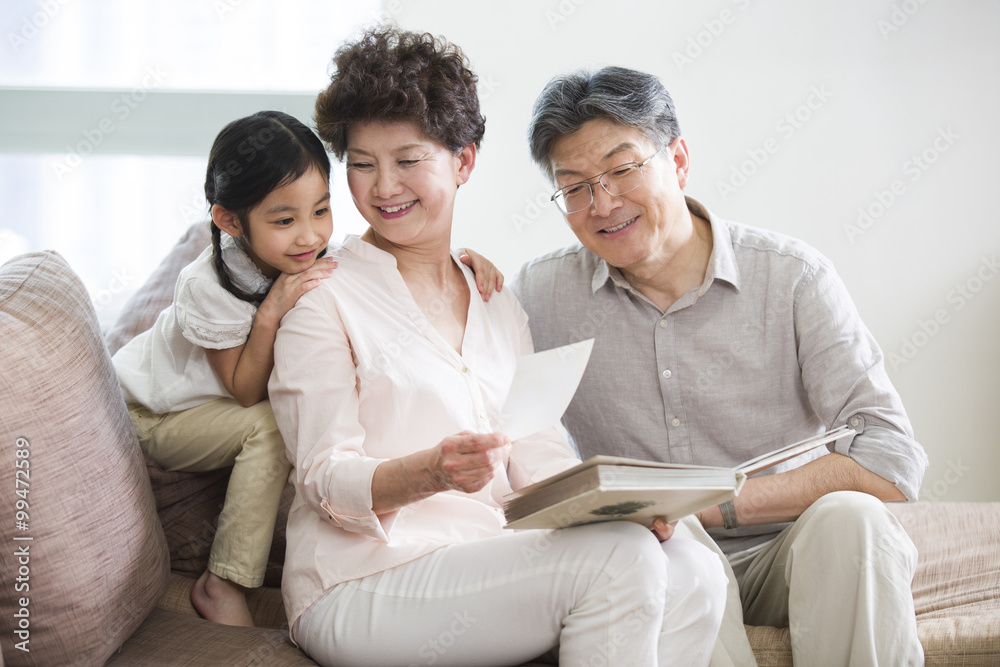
885	106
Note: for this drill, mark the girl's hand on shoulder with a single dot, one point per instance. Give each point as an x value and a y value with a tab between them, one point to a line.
488	277
288	287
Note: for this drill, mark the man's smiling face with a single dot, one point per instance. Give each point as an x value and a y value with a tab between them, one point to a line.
630	231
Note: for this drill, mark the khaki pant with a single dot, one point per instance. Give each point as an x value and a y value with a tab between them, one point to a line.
839	578
219	434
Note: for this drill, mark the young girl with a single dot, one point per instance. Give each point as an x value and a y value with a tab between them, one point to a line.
196	382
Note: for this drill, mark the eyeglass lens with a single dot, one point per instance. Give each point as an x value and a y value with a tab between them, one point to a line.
618	181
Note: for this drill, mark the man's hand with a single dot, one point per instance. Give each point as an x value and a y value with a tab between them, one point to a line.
663	530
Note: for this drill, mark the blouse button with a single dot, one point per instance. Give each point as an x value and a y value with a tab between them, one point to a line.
675	422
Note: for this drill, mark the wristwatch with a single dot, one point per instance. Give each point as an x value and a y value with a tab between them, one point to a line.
729	515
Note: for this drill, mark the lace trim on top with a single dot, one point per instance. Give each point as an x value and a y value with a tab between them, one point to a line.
242	270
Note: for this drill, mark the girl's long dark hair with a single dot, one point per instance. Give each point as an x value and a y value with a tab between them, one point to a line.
250	158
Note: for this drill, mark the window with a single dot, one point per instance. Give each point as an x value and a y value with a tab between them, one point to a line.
109	111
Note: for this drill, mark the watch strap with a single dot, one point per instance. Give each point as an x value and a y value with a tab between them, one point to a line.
729	515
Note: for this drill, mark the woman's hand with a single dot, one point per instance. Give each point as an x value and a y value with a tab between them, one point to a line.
288	287
461	462
488	277
663	530
465	462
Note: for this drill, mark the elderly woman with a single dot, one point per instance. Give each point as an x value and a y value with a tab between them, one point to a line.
388	381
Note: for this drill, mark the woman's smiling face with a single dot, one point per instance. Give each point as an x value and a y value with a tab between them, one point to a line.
404	183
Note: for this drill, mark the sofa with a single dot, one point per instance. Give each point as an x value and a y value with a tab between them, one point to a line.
101	547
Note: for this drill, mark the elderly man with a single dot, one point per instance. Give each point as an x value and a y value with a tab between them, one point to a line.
717	342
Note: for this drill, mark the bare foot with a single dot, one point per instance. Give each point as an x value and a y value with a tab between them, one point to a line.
221	600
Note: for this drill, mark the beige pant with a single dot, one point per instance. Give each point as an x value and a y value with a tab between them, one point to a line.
839	578
219	434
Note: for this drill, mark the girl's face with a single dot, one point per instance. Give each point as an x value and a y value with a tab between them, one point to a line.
291	226
404	183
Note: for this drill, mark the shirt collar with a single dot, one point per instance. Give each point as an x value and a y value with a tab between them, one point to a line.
366	250
721	263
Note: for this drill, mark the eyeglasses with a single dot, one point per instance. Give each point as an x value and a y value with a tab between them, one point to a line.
615	181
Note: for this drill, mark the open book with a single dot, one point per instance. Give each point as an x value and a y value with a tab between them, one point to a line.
608	488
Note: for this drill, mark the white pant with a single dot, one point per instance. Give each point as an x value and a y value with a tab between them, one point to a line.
606	594
839	578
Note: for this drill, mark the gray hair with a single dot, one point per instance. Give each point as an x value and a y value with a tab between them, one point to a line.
629	97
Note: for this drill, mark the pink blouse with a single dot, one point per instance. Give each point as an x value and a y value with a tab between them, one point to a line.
360	377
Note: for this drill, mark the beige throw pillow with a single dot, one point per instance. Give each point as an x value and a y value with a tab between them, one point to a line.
87	558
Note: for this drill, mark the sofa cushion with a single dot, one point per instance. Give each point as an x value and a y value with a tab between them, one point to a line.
170	638
94	557
265	603
956	587
959	565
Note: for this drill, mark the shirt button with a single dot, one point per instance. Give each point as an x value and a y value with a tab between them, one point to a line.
663	324
465	369
854	422
667	374
675	422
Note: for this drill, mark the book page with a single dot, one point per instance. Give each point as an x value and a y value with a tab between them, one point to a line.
543	386
783	454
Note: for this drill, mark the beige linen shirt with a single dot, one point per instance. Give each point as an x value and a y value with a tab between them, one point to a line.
361	376
768	350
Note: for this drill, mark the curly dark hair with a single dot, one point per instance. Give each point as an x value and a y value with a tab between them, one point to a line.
392	75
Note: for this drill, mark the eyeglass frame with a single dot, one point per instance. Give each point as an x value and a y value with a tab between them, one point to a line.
600	180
